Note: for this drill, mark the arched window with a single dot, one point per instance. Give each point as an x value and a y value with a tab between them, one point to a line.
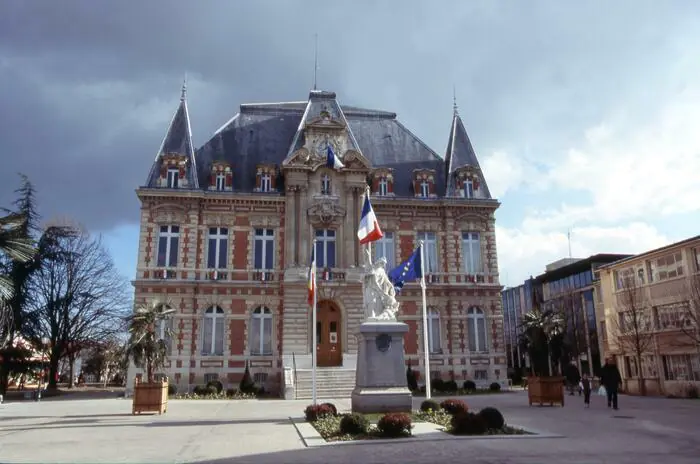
260	333
476	326
325	184
213	332
434	331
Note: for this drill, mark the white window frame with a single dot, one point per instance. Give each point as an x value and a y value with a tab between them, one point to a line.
323	240
471	253
173	178
432	264
385	247
261	314
476	314
220	181
168	235
434	326
211	316
325	184
265	182
468	189
383	186
261	240
424	188
218	238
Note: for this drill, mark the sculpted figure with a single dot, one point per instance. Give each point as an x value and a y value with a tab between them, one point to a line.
379	293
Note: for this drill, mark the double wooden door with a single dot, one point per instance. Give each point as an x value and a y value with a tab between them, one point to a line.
329	350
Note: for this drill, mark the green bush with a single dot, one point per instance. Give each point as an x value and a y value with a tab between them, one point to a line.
247	384
218	386
411	380
492	418
231	392
332	407
449	386
211	390
430	405
468	424
314	412
354	424
692	392
495	386
452	406
200	390
469	385
172	389
394	424
437	385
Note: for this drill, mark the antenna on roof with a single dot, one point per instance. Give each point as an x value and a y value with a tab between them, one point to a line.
454	98
568	237
315	59
183	94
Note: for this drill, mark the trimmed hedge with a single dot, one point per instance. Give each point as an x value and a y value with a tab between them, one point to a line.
394	424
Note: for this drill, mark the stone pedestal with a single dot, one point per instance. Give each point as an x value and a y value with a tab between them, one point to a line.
381	369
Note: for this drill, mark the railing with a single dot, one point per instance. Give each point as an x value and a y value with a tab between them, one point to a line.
294	368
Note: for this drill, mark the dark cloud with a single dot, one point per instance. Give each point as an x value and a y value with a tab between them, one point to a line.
87	87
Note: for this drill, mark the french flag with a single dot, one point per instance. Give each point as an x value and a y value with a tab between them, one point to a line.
311	284
369	230
333	161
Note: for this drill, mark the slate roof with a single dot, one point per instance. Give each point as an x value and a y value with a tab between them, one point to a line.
460	153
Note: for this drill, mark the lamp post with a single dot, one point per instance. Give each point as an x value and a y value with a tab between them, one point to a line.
44	347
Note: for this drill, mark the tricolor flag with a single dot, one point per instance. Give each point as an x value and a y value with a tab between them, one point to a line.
333	161
312	277
369	230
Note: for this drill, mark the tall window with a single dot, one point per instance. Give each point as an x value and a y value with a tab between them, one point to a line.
213	332
325	248
383	186
424	189
218	246
325	184
434	331
384	248
476	327
220	181
471	252
468	189
164	329
264	249
696	252
261	331
173	177
430	251
168	242
265	182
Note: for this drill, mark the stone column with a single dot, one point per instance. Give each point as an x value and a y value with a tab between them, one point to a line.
290	226
304	238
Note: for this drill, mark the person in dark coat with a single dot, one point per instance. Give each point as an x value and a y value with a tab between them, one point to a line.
586	387
611	379
573	377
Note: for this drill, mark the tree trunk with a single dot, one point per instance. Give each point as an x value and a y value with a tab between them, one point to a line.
71	370
53	369
549	360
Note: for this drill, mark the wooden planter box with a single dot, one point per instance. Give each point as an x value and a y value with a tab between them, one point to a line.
545	390
150	397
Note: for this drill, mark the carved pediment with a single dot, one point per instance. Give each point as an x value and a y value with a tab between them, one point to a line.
303	158
326	212
265	221
169	213
353	159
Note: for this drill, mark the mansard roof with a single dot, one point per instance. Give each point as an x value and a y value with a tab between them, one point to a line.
460	153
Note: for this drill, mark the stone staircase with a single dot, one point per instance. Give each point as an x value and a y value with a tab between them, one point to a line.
331	383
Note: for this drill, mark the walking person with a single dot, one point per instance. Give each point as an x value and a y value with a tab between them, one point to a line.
611	379
586	387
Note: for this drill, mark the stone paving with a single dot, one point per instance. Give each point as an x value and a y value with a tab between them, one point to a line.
643	430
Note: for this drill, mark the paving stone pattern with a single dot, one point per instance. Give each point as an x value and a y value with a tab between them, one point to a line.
643	430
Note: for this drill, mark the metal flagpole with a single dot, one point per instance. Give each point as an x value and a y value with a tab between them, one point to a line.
314	342
426	348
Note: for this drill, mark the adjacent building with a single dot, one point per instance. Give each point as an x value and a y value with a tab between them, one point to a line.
651	304
227	230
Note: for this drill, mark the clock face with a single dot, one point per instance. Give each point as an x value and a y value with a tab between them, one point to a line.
322	144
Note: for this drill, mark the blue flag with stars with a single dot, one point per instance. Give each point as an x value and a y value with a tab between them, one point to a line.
407	271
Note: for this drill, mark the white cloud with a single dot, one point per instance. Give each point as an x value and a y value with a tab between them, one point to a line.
505	172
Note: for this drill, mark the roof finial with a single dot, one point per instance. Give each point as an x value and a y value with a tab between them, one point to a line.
315	59
183	94
454	99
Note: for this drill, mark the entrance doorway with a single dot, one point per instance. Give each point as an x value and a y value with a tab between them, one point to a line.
329	351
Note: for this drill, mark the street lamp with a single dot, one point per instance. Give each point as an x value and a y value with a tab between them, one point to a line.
45	341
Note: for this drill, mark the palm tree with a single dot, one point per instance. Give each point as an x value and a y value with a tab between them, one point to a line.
541	327
146	349
16	245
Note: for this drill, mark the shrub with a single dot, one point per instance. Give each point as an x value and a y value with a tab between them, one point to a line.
692	392
492	418
430	405
394	424
247	384
469	385
495	386
468	424
354	424
231	392
200	390
218	386
449	386
172	389
314	412
211	390
453	407
411	380
332	407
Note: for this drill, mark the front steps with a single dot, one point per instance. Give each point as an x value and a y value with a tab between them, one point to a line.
331	383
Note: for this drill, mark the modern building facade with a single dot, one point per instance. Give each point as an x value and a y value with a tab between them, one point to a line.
650	304
227	230
517	301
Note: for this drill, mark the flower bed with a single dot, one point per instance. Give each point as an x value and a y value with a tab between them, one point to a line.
229	395
457	420
347	427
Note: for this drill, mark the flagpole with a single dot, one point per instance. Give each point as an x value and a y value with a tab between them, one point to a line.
313	323
369	244
426	348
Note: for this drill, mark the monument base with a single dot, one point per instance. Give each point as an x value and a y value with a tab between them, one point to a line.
381	369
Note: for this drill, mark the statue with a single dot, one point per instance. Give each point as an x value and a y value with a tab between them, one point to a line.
379	292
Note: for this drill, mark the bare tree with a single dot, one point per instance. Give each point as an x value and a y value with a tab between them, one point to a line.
633	325
79	298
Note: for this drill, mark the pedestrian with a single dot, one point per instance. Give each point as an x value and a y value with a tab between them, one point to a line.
586	387
611	379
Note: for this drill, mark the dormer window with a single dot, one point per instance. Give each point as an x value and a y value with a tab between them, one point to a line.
265	182
424	189
266	178
382	182
468	189
221	181
383	187
424	183
173	178
325	184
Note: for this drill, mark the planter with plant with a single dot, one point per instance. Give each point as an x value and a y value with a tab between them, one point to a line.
149	352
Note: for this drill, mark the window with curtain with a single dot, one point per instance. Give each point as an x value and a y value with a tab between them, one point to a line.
429	251
434	331
213	332
476	328
260	333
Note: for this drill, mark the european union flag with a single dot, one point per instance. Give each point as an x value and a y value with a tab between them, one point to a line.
407	271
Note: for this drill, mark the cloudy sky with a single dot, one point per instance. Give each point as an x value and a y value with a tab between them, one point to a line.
584	114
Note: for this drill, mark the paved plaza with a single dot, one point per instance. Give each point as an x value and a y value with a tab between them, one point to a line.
103	430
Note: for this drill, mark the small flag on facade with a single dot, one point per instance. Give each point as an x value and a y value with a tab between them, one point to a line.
332	161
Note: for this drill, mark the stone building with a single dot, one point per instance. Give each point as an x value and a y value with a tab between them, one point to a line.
226	232
651	304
